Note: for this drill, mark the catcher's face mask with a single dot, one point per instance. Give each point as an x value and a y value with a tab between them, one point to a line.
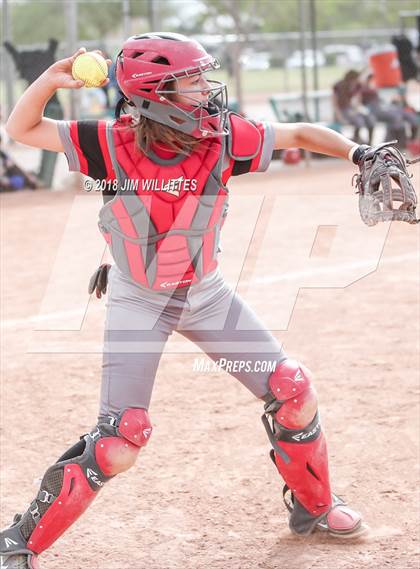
198	99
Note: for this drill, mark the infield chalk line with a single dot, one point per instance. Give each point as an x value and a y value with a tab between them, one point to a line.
10	323
328	270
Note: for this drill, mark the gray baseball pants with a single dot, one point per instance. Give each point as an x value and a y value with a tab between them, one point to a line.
209	313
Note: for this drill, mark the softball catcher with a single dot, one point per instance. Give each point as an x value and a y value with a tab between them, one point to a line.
180	138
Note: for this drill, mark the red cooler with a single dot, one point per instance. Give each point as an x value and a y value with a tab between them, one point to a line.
386	67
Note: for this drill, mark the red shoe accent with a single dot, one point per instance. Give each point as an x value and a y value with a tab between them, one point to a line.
342	518
342	521
34	563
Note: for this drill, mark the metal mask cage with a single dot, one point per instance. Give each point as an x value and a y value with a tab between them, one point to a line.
214	107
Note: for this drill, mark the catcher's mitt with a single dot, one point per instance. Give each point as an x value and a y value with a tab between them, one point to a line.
380	167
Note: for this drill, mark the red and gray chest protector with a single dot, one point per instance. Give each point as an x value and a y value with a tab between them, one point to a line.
163	226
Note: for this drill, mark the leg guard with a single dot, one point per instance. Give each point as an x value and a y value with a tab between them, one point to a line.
300	454
300	451
71	484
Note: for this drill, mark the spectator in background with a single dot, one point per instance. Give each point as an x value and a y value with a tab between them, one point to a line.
12	177
346	101
396	115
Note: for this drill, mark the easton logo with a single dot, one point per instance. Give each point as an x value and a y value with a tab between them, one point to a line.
92	475
302	436
298	376
174	283
135	75
9	542
147	433
2	563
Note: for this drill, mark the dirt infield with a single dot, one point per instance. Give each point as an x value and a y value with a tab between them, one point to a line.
204	493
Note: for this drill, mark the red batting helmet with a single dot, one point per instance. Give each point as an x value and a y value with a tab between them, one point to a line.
147	70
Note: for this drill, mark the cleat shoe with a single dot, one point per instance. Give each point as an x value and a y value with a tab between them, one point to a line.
13	551
18	561
340	521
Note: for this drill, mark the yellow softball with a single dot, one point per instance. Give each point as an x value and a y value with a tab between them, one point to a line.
91	68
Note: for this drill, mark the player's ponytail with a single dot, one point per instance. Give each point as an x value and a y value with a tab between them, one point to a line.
149	133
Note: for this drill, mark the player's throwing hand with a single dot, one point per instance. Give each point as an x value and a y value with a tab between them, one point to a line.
60	73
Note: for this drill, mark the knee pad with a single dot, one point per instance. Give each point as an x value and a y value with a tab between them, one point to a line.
292	405
117	453
299	448
71	484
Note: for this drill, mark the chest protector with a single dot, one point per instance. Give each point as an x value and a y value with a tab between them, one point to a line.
163	225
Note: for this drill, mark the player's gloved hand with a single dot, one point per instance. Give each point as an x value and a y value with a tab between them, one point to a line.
99	280
382	183
360	152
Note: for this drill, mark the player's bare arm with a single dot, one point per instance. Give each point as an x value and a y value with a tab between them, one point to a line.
27	123
313	137
374	163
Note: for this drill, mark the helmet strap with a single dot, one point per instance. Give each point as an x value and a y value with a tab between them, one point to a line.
120	105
